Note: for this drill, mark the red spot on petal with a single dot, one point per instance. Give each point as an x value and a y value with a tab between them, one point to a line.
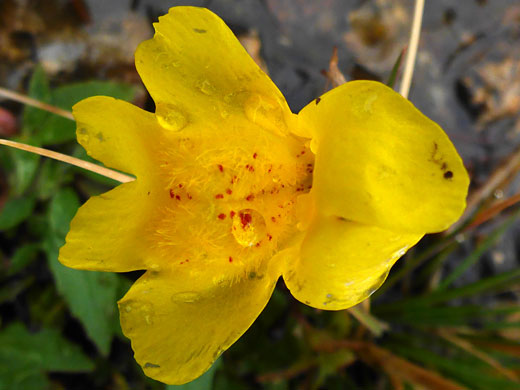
221	216
273	219
255	155
220	168
231	214
228	191
180	185
177	197
189	196
172	194
269	237
250	197
219	196
230	259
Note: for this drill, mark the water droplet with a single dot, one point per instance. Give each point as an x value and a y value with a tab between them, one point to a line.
266	112
147	312
186	297
224	114
206	87
374	285
248	227
170	117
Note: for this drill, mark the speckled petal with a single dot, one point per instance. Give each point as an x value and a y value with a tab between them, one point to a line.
107	233
340	263
117	133
379	161
196	70
178	331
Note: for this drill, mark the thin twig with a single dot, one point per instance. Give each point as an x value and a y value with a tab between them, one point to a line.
69	160
35	103
412	48
491	212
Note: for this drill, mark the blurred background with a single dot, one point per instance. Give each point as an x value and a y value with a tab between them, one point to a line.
448	316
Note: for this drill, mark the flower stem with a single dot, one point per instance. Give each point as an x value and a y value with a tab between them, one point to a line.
412	48
35	103
69	160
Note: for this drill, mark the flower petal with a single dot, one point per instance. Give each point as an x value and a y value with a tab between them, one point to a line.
177	331
117	133
107	232
340	263
399	170
196	70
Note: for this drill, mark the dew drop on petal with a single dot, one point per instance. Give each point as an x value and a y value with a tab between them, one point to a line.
170	117
146	310
185	297
248	227
265	112
376	283
206	87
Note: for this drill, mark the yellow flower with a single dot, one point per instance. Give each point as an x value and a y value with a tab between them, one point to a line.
233	190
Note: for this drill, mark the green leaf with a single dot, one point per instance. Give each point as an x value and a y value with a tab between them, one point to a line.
24	166
52	176
395	70
57	129
91	296
25	356
47	348
205	382
21	373
15	211
38	89
22	257
62	209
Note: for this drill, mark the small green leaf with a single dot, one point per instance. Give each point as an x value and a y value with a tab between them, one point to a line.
22	257
395	70
24	166
15	211
91	296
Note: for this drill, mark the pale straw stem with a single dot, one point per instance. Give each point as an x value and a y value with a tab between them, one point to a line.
120	177
412	48
35	103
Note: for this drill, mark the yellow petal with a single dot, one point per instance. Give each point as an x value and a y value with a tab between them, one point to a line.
117	133
178	331
381	162
107	232
196	70
340	263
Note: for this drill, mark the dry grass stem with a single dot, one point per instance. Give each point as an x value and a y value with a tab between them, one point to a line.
412	48
69	160
35	103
